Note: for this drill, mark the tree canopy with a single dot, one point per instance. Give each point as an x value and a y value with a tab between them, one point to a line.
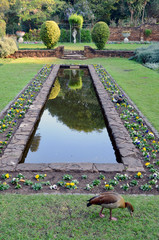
30	14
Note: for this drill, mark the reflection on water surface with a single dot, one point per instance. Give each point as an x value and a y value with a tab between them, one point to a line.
72	127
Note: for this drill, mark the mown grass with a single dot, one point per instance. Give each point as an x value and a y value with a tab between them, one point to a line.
80	46
67	217
140	83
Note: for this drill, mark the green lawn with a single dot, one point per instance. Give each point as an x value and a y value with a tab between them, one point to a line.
65	217
140	83
80	46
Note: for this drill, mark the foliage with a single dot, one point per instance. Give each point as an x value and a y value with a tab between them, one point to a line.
65	35
32	35
76	20
2	28
147	32
85	35
50	33
100	34
147	55
7	47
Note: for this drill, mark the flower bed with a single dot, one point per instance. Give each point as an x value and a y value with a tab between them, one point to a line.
13	116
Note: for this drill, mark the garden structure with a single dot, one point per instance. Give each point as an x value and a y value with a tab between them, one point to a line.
134	148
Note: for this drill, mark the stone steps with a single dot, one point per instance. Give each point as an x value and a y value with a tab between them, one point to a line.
77	55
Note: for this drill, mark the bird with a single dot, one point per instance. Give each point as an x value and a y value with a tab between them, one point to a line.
110	200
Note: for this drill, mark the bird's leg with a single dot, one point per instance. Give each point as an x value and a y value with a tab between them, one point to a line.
100	214
112	218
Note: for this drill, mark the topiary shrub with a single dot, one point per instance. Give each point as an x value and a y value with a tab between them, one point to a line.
8	46
2	28
100	34
50	34
76	20
85	35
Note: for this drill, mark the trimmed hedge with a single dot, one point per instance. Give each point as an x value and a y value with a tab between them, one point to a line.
8	46
100	34
85	35
50	34
32	35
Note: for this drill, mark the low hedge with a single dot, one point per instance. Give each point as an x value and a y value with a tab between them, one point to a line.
8	46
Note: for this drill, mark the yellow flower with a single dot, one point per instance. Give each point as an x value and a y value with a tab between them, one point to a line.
67	184
3	125
144	149
45	175
17	110
139	174
144	140
146	164
107	185
137	117
37	176
7	175
153	141
72	184
4	183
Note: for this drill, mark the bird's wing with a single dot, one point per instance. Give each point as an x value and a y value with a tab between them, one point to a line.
104	199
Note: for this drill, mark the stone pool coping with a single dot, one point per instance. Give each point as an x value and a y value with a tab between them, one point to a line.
125	149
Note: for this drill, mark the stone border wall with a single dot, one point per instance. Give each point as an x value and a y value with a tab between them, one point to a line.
92	53
57	52
127	151
136	33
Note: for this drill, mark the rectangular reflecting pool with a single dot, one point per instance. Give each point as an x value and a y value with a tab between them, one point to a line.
72	126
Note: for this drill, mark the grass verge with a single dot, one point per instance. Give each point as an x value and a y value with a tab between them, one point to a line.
80	46
67	217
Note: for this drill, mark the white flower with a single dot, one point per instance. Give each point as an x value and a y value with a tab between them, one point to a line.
53	187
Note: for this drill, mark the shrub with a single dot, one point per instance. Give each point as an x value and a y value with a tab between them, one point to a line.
65	35
100	34
77	20
50	34
147	32
7	47
2	28
85	35
147	55
32	35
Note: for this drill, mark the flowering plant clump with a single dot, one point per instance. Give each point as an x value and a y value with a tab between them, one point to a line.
18	109
67	177
89	187
96	182
113	182
146	187
139	175
84	176
28	182
40	176
101	176
108	187
70	185
4	186
37	186
5	176
61	183
133	183
121	177
125	187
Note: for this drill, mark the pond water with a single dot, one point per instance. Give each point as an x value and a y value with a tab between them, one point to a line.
72	126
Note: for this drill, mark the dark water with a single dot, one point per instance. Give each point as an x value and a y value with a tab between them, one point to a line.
72	128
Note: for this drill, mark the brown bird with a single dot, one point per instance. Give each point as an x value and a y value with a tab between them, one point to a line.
110	200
